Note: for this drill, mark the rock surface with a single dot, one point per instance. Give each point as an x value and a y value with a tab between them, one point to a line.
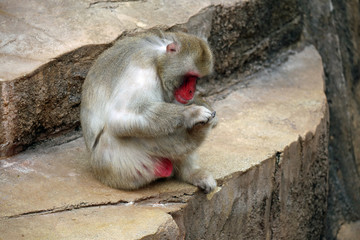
47	47
349	231
333	27
268	154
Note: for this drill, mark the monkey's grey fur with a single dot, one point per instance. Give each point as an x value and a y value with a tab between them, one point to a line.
130	118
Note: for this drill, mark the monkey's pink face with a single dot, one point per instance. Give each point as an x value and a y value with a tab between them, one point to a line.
186	91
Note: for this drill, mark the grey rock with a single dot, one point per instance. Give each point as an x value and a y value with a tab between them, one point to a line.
268	155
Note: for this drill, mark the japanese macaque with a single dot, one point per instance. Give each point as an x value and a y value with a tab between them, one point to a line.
140	115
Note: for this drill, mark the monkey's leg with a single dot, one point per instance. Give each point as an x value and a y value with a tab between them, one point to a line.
188	171
199	131
122	163
178	144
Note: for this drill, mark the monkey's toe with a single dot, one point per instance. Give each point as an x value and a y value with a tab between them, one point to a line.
213	114
207	184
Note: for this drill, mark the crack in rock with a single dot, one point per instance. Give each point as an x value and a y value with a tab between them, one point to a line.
157	201
111	3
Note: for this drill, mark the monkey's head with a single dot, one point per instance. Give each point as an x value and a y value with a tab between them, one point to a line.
187	59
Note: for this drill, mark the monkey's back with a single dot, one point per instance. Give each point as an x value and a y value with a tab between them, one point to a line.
108	72
131	117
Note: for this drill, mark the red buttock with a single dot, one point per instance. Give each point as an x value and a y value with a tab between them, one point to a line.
163	168
187	90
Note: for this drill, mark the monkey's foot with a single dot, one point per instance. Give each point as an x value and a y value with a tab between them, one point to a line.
207	184
163	168
202	179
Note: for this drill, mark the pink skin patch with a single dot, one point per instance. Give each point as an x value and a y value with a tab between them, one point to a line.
187	90
163	168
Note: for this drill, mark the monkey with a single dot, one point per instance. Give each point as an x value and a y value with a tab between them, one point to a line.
140	114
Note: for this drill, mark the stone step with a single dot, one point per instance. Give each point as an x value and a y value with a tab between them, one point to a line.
268	155
47	47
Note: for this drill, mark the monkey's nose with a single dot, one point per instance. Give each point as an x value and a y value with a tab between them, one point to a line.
213	114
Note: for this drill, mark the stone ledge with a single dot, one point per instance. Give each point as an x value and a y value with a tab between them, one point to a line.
35	32
129	222
268	154
349	231
47	48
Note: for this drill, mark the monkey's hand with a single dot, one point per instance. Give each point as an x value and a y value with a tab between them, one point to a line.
194	115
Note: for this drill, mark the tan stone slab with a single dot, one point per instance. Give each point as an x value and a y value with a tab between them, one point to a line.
33	32
271	112
349	231
59	178
106	222
255	123
277	107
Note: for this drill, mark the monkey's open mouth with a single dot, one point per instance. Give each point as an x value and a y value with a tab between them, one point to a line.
187	90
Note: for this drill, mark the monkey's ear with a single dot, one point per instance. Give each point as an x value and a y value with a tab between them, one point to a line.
172	47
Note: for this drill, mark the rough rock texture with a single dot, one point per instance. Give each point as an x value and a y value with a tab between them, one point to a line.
44	60
285	196
268	154
334	28
94	223
250	31
349	231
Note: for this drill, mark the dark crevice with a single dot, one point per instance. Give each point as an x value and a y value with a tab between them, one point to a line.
66	208
108	3
274	198
152	200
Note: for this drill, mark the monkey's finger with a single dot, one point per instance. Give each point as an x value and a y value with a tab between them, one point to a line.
201	123
213	114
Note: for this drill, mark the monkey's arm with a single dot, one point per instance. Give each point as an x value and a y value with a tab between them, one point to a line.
155	119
